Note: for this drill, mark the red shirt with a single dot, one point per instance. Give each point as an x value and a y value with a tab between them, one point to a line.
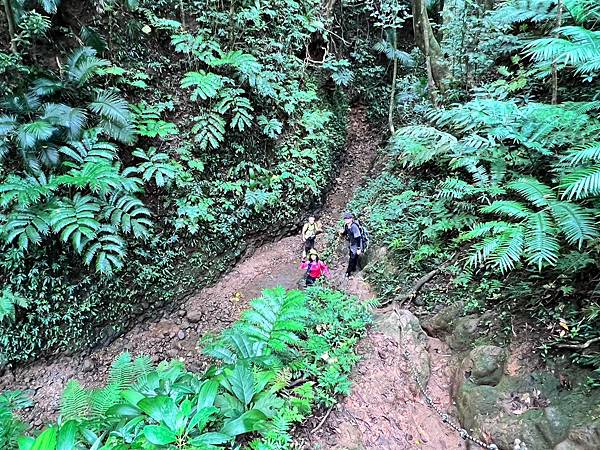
316	268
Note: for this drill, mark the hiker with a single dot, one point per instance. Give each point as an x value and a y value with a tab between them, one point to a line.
353	234
315	268
309	234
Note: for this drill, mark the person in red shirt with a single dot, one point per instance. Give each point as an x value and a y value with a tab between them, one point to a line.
315	268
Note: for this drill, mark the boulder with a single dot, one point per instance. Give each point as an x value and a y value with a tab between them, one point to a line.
464	332
485	364
194	315
582	438
441	322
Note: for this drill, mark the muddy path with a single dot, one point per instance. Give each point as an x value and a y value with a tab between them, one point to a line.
385	410
176	335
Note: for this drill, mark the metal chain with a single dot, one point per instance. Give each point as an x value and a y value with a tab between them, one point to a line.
464	434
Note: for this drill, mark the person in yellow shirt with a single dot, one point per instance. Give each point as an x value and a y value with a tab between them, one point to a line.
309	234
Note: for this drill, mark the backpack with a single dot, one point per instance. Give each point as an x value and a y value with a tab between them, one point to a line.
364	236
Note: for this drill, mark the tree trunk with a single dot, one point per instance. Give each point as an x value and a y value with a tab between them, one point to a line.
554	67
429	45
12	27
393	93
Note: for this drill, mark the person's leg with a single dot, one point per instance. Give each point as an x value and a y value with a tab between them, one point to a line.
309	281
351	263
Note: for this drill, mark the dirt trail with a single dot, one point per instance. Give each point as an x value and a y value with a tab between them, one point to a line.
210	310
384	411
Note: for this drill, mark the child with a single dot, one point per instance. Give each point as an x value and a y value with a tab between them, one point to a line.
309	233
314	268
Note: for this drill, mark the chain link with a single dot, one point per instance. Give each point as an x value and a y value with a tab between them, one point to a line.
464	434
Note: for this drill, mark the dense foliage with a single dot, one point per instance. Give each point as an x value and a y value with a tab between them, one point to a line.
139	160
501	190
291	352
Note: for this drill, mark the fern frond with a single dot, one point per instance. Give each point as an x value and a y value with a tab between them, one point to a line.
210	130
206	85
74	402
106	250
541	244
8	301
583	154
25	192
28	226
31	134
7	124
533	191
128	214
508	208
83	64
418	144
73	119
578	48
45	86
575	222
75	220
581	183
111	107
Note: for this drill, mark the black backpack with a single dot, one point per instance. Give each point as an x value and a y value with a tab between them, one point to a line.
364	236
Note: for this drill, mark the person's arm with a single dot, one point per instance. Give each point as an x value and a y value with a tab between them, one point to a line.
325	270
304	265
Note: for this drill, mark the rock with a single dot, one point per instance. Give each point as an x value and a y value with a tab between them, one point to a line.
194	315
181	335
583	438
88	365
172	353
486	364
441	322
464	332
181	313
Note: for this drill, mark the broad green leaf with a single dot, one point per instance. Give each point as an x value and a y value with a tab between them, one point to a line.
159	435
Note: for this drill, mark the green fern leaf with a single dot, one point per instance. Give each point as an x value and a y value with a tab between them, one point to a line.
210	130
31	134
111	107
128	214
533	190
541	245
75	401
206	85
76	220
581	183
28	226
508	208
575	222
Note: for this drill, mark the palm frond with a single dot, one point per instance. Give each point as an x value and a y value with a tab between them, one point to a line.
581	183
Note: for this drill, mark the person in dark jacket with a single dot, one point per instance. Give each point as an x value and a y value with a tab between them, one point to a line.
352	234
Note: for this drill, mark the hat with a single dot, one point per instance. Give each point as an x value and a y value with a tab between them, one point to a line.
313	252
348	215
